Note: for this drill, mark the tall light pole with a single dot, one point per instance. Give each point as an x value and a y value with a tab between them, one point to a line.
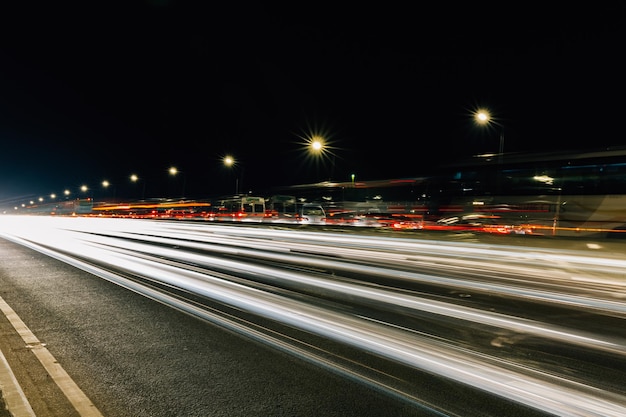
230	162
174	172
134	178
106	184
483	117
87	191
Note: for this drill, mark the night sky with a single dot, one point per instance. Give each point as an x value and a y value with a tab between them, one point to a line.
100	90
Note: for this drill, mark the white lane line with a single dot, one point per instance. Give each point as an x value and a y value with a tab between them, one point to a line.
12	394
74	394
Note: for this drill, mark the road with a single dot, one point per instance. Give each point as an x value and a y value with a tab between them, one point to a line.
312	321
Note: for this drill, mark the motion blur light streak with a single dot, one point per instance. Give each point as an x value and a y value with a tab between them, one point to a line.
397	299
341	289
398	258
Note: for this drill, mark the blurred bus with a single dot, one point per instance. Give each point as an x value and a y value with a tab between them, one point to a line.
407	195
287	209
239	208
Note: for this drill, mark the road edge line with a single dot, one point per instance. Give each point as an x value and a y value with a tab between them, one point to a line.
66	384
12	393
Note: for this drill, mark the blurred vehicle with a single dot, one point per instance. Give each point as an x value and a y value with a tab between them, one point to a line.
476	222
311	213
351	218
395	220
407	223
238	208
287	209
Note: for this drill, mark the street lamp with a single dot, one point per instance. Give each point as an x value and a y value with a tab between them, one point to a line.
173	172
319	148
230	162
85	190
106	184
134	178
483	117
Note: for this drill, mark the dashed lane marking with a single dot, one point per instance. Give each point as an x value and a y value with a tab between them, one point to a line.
74	394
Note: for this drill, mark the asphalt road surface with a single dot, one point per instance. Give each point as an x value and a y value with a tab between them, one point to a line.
136	357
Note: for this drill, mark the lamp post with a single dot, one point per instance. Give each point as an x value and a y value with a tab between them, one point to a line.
134	178
86	191
483	117
230	162
318	148
106	184
174	172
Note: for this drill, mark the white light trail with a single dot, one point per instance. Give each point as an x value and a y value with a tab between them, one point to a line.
185	256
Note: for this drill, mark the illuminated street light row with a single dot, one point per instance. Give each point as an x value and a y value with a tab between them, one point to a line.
317	146
105	184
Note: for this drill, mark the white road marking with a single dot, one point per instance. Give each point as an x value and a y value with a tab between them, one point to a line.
74	394
12	393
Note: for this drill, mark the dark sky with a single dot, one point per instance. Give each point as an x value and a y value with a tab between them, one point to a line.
99	90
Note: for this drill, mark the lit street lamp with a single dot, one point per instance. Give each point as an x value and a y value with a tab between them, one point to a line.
134	178
106	184
174	172
230	162
483	117
320	150
86	190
